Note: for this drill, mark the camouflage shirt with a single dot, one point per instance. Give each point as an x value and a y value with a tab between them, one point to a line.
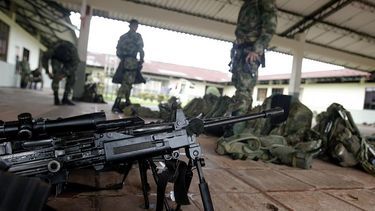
128	46
63	51
256	24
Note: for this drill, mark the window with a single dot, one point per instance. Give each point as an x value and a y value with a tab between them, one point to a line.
277	91
370	98
262	94
4	38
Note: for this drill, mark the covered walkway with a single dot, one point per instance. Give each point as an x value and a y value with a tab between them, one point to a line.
234	184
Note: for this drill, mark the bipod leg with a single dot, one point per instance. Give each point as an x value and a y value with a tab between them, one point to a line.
124	171
145	186
203	186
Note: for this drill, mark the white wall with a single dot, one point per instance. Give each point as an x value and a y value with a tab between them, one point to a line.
320	96
18	39
317	97
8	76
229	91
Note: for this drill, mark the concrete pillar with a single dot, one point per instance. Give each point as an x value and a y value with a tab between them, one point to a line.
86	14
295	78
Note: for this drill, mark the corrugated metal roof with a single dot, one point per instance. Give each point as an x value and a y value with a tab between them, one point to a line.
46	19
346	26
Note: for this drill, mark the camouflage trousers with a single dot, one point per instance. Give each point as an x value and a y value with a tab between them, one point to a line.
127	84
244	78
25	79
60	71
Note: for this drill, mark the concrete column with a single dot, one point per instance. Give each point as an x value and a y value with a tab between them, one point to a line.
86	14
295	78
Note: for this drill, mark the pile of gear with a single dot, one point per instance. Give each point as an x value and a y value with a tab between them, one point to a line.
289	139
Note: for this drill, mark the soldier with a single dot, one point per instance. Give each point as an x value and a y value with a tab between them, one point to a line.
24	71
129	70
36	77
64	61
256	25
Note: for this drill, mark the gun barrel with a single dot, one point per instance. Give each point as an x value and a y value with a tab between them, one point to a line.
236	119
120	124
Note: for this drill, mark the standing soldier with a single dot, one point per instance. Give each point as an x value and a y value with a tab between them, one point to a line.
24	71
129	70
64	61
256	25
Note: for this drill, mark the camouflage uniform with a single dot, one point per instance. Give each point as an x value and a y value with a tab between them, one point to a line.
64	61
128	46
25	73
36	77
256	25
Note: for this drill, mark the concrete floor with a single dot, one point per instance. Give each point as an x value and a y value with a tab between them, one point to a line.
234	184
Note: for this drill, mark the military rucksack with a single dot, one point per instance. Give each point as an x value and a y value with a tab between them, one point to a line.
342	141
280	140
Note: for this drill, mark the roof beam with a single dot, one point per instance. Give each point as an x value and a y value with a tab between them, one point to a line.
173	20
366	3
319	14
357	33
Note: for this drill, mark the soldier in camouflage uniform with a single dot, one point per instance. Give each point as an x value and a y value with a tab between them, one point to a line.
25	72
64	61
256	25
128	71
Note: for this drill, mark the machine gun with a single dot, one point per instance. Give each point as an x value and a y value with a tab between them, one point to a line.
48	149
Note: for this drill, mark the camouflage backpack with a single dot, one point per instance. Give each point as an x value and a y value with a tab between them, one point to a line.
342	141
284	140
199	106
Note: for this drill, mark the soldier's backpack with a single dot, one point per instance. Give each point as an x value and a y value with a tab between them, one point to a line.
342	141
262	134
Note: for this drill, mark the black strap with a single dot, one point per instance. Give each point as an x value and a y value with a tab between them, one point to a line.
22	193
181	175
160	191
182	183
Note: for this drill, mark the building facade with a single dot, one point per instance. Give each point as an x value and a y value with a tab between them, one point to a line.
165	79
14	43
355	90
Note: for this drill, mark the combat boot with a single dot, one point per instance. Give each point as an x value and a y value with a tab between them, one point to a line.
56	98
128	103
66	101
116	106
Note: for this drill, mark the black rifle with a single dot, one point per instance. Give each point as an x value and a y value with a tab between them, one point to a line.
48	149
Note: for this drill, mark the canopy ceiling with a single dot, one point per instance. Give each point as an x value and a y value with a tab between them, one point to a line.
47	20
340	32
